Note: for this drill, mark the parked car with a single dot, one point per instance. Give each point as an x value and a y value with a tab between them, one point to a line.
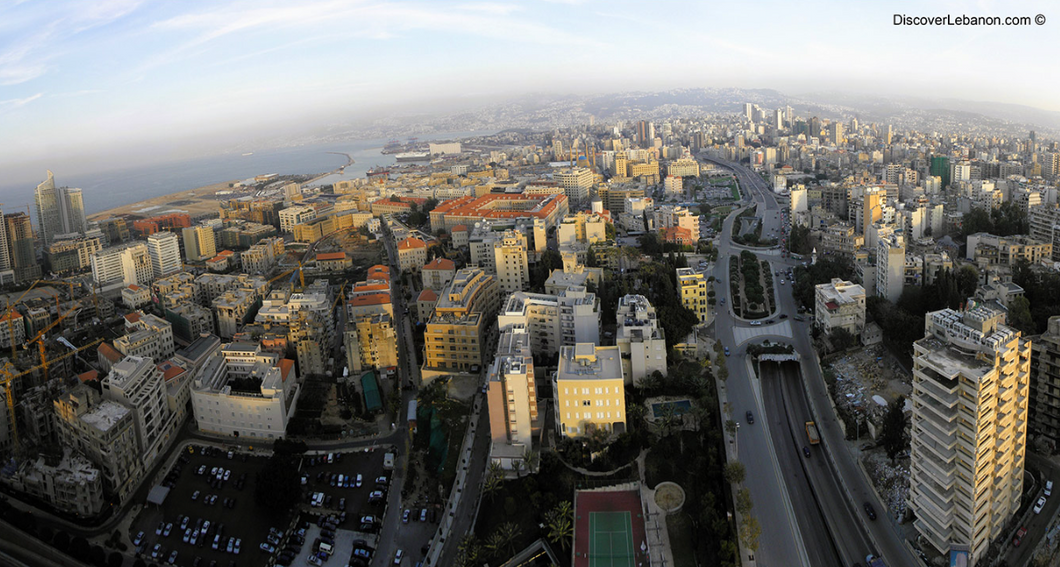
173	557
1018	538
405	516
314	560
1048	488
1041	504
195	495
398	556
267	548
138	539
423	515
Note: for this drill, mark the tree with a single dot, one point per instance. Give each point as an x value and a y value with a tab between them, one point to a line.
559	523
841	339
731	427
278	484
744	504
750	530
494	479
1019	316
531	458
892	434
509	533
735	472
467	553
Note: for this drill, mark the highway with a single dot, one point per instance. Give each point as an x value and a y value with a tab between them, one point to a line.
780	543
832	488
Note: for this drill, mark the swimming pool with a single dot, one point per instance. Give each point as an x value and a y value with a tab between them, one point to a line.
680	407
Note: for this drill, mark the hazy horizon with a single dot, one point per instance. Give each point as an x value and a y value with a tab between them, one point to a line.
91	86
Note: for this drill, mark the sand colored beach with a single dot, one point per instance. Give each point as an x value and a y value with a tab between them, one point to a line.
193	201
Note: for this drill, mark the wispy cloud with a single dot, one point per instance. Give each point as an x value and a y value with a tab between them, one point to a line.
17	102
359	19
42	37
73	94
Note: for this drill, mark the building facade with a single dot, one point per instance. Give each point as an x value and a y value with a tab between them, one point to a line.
840	305
640	339
589	391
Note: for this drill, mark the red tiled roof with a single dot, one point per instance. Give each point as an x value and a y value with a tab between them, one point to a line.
440	264
427	295
331	256
285	364
410	243
460	228
11	315
109	353
831	305
134	287
170	370
132	317
88	376
370	299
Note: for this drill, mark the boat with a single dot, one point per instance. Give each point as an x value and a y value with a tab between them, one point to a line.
412	156
248	154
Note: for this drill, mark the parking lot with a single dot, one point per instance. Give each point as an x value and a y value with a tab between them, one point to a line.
240	520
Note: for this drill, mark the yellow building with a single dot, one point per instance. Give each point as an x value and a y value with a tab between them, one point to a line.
693	286
465	310
589	390
412	254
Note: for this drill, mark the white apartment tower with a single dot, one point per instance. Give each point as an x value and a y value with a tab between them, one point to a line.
509	257
512	400
970	393
122	266
640	339
890	267
60	210
164	250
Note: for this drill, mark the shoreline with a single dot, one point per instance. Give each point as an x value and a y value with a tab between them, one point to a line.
192	201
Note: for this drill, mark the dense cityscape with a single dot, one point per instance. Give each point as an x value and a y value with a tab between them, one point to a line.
729	339
536	283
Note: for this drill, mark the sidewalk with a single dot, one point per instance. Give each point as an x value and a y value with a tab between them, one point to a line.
732	455
654	523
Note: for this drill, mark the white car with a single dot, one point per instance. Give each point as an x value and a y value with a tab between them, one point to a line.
1048	488
1041	504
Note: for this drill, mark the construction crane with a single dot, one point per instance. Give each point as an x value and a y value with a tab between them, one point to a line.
10	316
40	340
9	379
301	276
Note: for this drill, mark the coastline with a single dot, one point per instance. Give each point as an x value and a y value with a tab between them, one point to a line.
198	201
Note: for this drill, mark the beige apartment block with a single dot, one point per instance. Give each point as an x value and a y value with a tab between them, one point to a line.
971	383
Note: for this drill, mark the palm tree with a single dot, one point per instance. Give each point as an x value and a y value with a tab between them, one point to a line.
509	532
495	544
467	554
560	524
531	459
494	479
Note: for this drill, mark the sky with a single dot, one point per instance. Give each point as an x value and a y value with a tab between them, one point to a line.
89	84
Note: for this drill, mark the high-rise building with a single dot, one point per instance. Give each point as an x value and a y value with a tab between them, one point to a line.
969	428
568	318
21	247
120	266
137	383
509	257
5	250
455	334
1045	381
890	268
512	400
940	167
640	339
164	250
60	210
835	133
199	243
576	183
298	214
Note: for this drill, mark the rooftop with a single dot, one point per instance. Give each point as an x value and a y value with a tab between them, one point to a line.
105	415
586	361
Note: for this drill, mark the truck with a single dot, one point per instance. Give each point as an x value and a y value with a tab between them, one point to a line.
388	461
811	432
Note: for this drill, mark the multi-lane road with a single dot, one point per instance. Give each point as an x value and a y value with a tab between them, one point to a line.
816	504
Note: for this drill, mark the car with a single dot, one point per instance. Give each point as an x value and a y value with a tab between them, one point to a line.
187	535
235	548
213	499
1048	488
423	515
267	548
1018	538
231	454
1040	505
273	539
750	418
362	553
375	497
202	469
197	562
342	504
216	541
398	556
783	316
168	530
870	511
781	282
381	481
195	495
726	351
156	551
359	480
161	527
231	544
228	473
213	471
173	557
138	539
405	516
806	451
314	560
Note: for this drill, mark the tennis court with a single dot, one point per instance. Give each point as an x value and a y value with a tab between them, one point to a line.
610	539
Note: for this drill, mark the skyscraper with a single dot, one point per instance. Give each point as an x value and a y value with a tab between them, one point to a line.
5	252
21	247
59	210
969	428
164	251
199	243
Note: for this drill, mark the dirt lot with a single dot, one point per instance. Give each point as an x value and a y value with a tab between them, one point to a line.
865	373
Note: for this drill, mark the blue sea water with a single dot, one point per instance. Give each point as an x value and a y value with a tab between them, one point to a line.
106	190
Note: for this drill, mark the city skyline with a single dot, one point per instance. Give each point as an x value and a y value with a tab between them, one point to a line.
126	81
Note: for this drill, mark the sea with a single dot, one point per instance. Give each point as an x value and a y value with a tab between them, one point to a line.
109	189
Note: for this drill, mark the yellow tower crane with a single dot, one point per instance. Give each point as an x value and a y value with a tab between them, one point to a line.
10	316
8	379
